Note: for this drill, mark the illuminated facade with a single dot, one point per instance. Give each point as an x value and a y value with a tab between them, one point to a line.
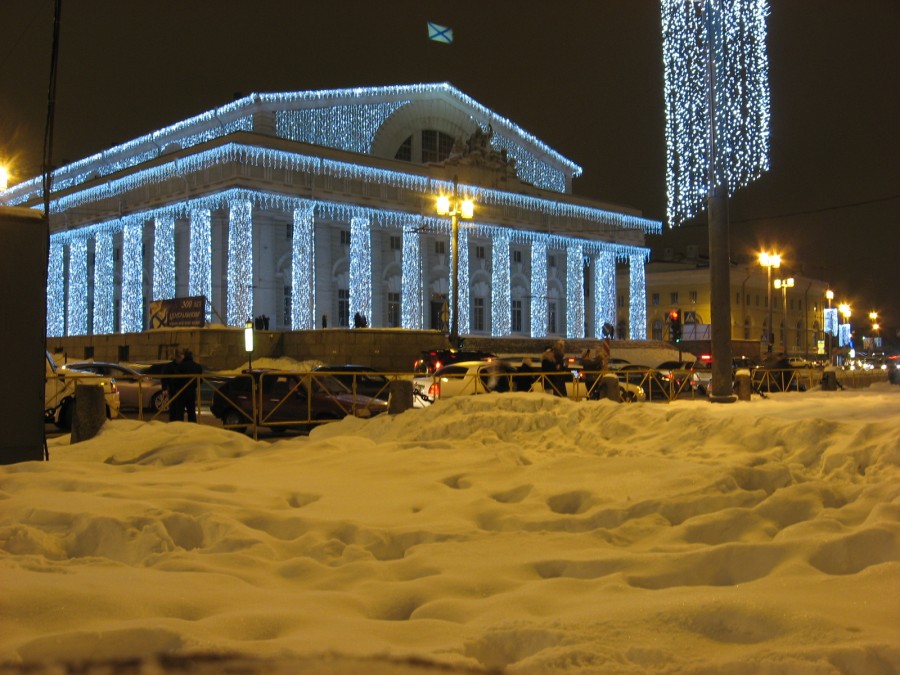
306	205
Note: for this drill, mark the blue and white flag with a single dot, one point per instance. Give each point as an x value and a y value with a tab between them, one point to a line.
440	33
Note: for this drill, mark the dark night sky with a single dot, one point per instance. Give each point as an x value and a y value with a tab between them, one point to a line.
585	76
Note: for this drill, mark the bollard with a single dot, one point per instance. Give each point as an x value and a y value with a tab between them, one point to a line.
89	413
609	385
829	380
401	398
742	385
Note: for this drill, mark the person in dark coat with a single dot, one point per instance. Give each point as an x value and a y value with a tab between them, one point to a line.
172	383
190	380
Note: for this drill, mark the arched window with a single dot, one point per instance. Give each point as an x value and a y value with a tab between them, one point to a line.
428	145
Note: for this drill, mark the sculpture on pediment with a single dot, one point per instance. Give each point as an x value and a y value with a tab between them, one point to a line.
476	150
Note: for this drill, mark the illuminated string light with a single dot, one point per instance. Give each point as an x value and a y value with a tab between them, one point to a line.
104	284
605	297
303	269
132	305
240	263
346	127
411	281
200	264
411	301
501	288
56	290
538	288
730	35
465	314
163	257
77	301
637	300
574	291
360	267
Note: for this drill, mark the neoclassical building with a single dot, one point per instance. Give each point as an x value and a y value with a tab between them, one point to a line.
314	206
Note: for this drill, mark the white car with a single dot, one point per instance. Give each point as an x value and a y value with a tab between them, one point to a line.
136	390
59	393
482	377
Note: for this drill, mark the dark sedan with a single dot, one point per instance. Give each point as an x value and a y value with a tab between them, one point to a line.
281	400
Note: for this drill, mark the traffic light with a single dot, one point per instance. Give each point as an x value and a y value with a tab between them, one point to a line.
675	325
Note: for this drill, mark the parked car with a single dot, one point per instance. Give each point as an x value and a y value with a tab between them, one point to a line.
434	359
136	390
60	388
653	382
287	400
359	379
465	378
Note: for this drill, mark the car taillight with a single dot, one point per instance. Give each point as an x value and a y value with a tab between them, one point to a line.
434	389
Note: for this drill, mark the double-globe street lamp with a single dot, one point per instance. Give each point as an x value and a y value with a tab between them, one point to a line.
456	208
784	284
769	260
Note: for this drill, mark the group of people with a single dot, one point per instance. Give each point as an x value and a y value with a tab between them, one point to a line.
182	383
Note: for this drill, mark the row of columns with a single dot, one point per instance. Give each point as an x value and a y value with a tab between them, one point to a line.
68	312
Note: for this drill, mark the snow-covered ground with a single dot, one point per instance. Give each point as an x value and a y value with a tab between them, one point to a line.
517	531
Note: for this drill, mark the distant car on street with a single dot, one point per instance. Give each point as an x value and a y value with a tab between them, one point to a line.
60	387
358	379
281	400
433	359
136	390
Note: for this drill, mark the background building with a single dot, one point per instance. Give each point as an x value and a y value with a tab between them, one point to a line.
310	207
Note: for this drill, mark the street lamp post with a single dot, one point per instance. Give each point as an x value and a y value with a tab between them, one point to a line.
769	260
456	208
784	284
829	296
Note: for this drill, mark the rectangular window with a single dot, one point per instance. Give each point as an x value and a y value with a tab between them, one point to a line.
551	261
551	317
479	252
289	230
393	310
345	237
692	296
654	299
673	298
286	307
747	300
439	247
343	307
478	314
396	243
517	256
516	324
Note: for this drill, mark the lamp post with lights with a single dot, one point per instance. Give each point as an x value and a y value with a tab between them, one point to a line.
829	296
456	208
769	260
784	284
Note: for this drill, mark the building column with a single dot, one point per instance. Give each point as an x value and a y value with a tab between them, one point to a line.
360	268
303	270
574	291
605	293
637	302
501	287
411	281
77	302
131	318
465	312
538	288
200	267
104	283
239	279
163	257
56	289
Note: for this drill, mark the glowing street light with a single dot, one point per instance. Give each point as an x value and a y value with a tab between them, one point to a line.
456	208
784	284
829	296
4	177
248	342
769	260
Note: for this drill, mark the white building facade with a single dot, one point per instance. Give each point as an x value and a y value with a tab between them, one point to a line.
310	207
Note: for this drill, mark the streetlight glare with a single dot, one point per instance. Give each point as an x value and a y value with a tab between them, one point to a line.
4	177
467	209
443	205
767	259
